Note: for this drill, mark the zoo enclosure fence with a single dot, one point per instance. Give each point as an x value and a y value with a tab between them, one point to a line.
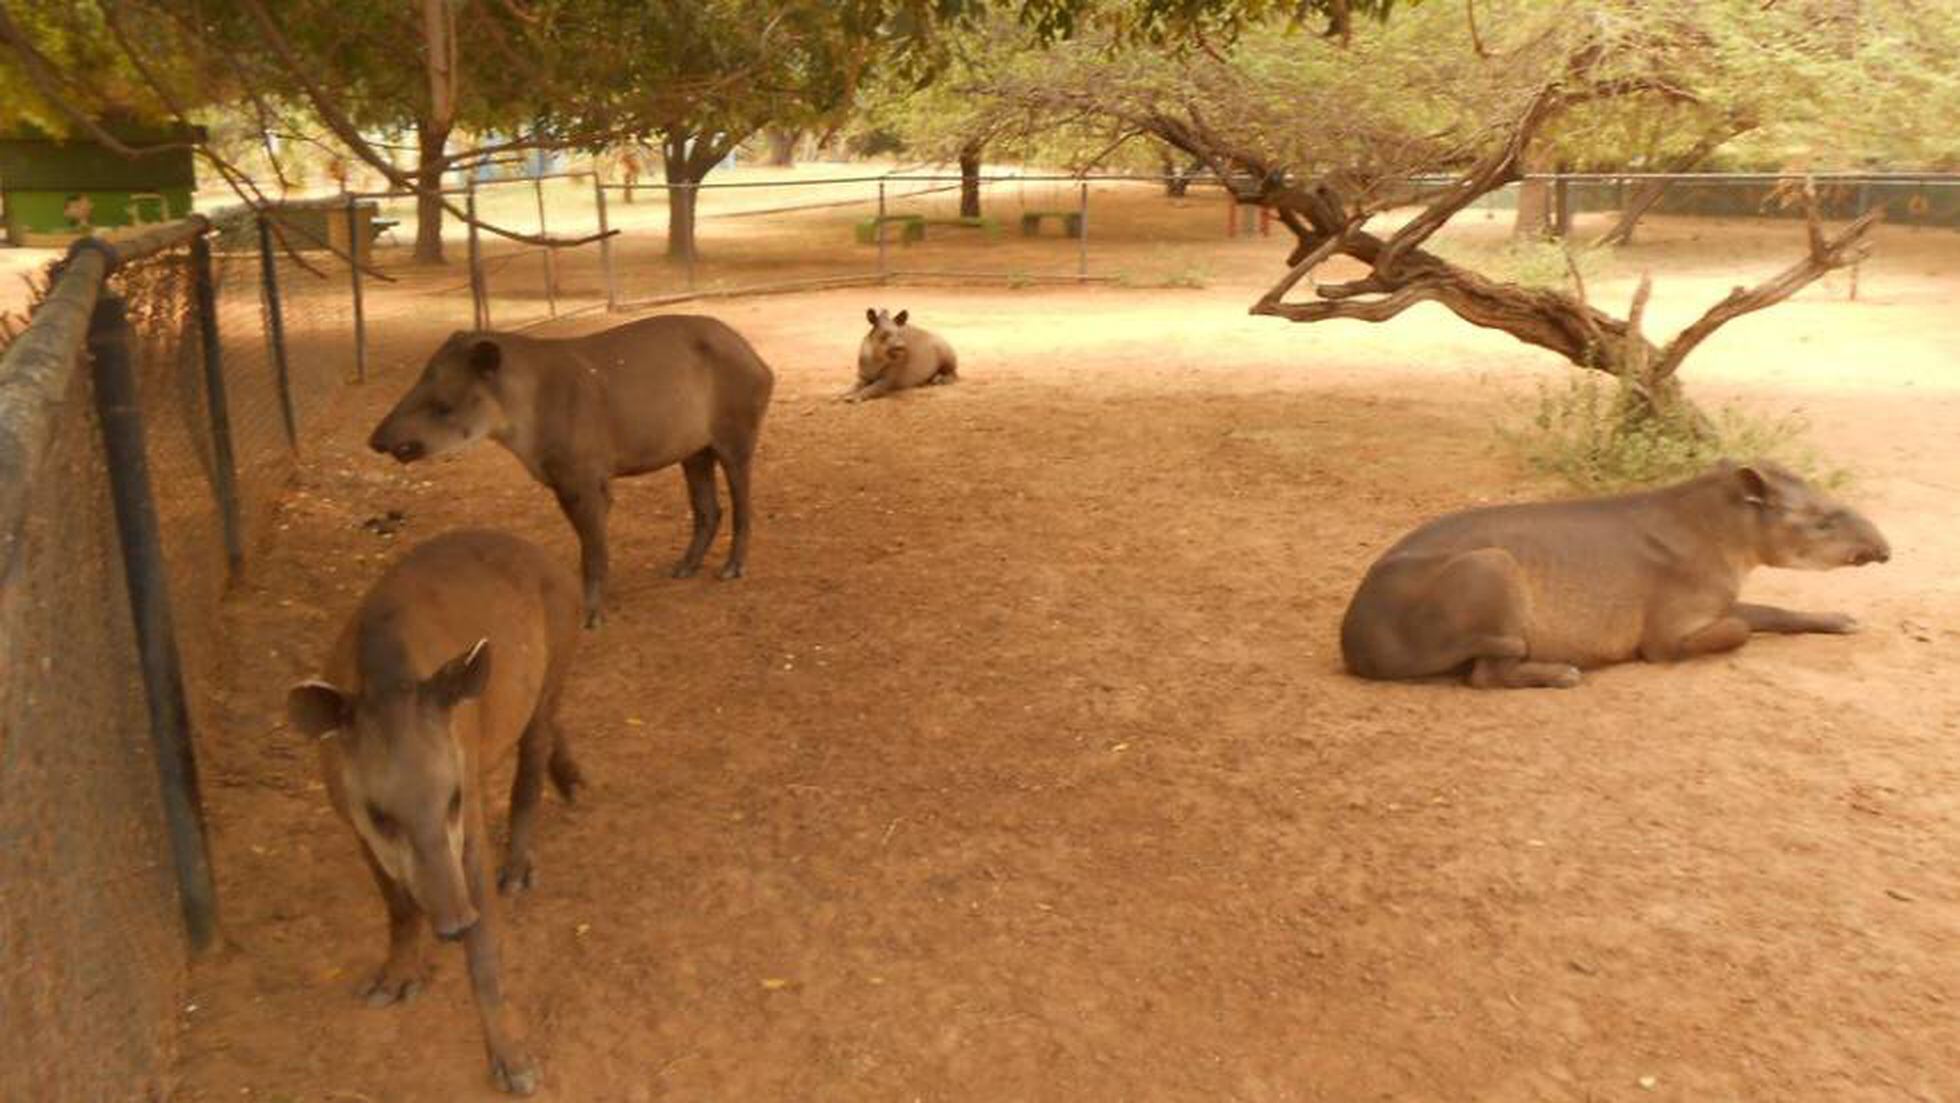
150	415
788	234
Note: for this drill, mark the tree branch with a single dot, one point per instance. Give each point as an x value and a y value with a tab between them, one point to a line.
1826	254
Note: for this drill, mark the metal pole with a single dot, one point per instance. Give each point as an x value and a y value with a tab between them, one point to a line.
693	192
605	246
224	458
550	254
275	327
354	244
479	288
120	415
1082	234
879	230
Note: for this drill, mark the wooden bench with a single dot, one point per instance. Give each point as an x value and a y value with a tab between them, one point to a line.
912	228
988	226
1071	222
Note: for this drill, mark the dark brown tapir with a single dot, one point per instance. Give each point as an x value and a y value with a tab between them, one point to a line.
1529	595
579	412
457	654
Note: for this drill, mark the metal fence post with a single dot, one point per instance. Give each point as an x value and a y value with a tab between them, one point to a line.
479	288
693	192
224	457
117	407
605	245
878	229
275	326
550	254
354	244
1082	233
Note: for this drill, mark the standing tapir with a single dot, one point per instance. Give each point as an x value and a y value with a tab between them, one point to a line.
1528	595
579	412
897	357
457	654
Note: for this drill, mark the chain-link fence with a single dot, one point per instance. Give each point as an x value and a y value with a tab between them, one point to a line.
139	460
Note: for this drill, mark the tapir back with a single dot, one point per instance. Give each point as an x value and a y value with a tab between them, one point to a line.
444	595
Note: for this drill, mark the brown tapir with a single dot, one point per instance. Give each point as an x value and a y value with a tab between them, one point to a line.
457	654
896	357
579	412
1528	595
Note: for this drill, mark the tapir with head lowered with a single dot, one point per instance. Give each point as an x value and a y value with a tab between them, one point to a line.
579	412
1528	595
455	656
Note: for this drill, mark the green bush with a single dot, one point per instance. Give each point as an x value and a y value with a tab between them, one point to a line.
1594	434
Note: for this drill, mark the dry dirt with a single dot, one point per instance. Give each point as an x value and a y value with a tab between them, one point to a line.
1022	767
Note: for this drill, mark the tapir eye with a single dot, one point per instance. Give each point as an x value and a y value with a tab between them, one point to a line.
384	824
456	803
441	409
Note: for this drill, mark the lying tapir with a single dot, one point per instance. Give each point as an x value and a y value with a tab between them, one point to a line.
579	412
457	654
897	357
1529	595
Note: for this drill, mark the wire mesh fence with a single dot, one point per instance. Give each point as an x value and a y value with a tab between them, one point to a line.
91	879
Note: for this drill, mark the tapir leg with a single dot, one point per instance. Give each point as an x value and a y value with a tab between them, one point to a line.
586	505
404	973
870	390
735	467
510	1066
566	777
700	471
1426	617
1722	634
1769	618
533	752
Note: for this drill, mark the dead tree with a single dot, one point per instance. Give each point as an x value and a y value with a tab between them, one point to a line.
1327	217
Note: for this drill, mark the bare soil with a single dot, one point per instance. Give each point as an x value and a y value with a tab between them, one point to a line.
1022	767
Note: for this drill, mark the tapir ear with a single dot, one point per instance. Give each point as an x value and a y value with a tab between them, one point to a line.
1755	488
317	709
900	317
462	677
871	315
486	357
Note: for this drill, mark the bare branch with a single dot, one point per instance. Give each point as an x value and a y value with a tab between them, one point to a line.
1826	254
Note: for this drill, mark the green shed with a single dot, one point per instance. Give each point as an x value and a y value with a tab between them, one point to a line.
55	190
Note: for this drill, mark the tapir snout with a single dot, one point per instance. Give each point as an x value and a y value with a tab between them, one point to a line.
385	442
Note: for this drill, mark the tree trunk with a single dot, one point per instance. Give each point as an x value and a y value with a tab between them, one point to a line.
1534	221
432	161
432	130
680	197
1176	183
970	180
782	147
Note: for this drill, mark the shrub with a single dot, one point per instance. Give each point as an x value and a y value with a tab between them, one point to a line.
1591	434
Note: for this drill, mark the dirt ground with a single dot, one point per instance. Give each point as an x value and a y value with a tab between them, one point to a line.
1022	767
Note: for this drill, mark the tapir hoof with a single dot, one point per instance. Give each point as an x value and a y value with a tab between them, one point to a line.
515	878
515	1074
1838	624
732	570
392	985
594	618
684	569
